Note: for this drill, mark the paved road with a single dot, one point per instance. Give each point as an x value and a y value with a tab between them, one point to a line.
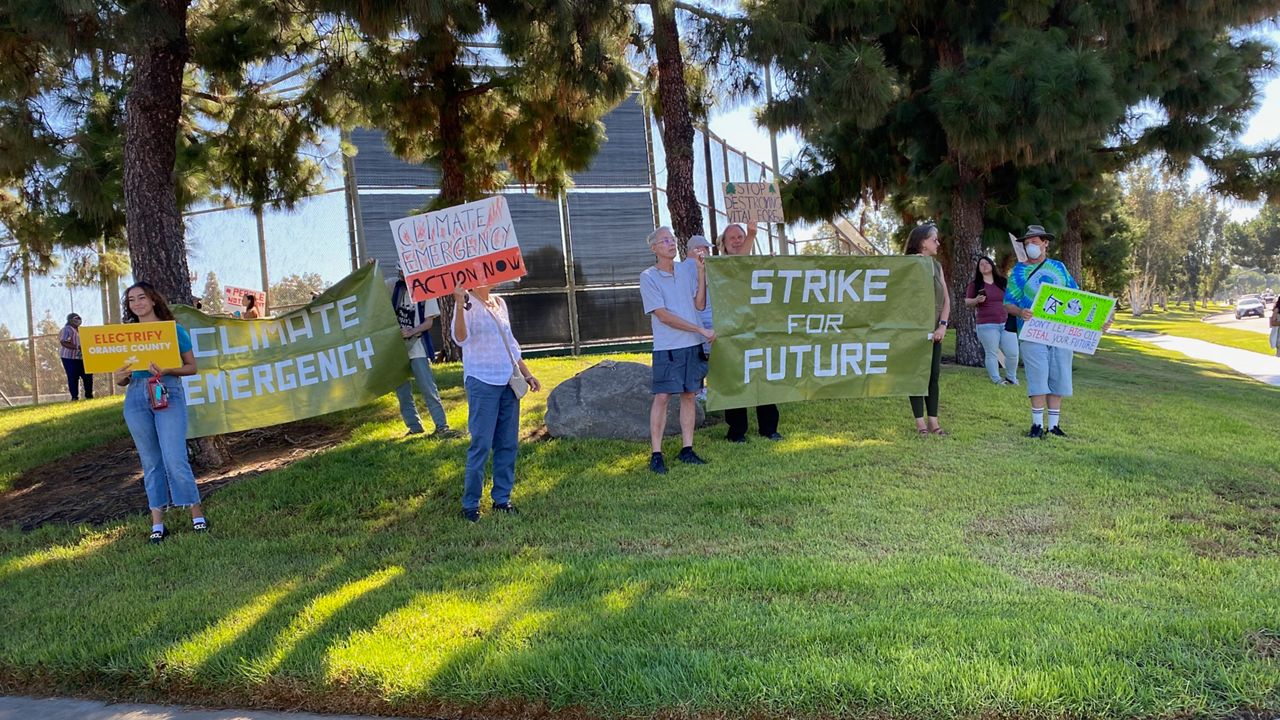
24	708
1263	368
1258	325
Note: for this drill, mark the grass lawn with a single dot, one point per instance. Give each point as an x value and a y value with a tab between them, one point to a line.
33	435
1129	571
1188	323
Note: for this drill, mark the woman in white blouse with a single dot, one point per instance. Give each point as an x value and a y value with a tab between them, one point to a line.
491	361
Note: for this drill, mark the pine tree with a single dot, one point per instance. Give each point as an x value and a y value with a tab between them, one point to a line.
212	296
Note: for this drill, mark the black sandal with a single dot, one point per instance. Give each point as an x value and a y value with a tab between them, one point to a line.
157	536
200	527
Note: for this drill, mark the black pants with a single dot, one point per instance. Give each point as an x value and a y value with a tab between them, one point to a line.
75	372
920	402
766	418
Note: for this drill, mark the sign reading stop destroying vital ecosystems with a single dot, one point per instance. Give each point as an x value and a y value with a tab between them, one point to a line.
753	202
802	328
107	348
1067	318
465	245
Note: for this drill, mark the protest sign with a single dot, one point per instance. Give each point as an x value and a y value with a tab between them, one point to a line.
342	350
1067	318
803	328
234	297
753	202
107	348
464	245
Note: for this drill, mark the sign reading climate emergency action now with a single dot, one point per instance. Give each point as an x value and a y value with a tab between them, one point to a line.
804	328
107	348
465	245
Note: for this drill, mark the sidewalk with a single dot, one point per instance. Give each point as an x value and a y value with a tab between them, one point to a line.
1263	368
25	708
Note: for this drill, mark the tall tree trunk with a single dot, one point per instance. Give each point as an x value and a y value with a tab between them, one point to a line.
453	191
968	202
677	125
157	248
1073	245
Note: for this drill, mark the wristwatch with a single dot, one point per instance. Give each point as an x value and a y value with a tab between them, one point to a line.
942	322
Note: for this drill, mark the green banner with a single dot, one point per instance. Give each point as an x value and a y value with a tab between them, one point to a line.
804	328
342	350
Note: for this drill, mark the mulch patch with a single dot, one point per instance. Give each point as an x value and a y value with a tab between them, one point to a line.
105	483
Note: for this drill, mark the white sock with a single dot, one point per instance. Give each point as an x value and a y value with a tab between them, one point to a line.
195	521
1037	416
157	527
1053	418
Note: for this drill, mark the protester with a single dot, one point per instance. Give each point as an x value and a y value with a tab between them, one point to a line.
923	240
73	360
698	246
738	241
160	432
416	319
986	293
1048	368
250	307
672	295
1275	328
492	372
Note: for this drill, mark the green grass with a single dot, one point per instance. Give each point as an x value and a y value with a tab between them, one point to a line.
31	436
1130	571
1187	323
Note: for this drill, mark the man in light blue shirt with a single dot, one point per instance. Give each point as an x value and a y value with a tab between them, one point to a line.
673	294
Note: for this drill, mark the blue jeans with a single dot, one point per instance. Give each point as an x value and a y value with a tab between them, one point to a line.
493	419
161	439
430	394
995	339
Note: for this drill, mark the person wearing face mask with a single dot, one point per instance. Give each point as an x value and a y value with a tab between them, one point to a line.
1048	368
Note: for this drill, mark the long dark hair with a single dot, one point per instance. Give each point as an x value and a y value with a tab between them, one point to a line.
250	302
918	235
162	306
978	280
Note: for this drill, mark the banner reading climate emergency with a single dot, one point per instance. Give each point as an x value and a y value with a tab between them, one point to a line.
342	350
804	328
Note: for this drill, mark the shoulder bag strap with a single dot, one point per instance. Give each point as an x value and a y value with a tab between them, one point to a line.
515	368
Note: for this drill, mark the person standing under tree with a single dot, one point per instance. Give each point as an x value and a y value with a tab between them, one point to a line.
737	241
923	240
416	319
72	360
1048	368
986	294
673	294
159	425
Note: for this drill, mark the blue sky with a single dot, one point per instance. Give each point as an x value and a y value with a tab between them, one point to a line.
314	238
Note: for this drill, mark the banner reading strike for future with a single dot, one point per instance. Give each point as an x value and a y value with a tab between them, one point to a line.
465	245
753	202
342	350
805	328
1068	318
107	348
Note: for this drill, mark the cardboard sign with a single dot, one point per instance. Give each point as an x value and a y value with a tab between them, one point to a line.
753	202
234	296
465	245
108	347
1067	318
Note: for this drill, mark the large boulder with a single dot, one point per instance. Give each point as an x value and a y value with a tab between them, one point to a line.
608	400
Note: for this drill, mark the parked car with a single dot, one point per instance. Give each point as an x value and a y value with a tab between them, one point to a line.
1250	305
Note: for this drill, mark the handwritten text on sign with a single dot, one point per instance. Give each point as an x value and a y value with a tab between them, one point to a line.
1067	318
107	348
235	296
753	202
465	245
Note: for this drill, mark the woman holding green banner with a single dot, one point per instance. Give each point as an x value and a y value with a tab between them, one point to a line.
738	241
155	409
495	377
923	240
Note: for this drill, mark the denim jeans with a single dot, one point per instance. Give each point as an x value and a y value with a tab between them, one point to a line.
493	419
994	340
161	439
430	394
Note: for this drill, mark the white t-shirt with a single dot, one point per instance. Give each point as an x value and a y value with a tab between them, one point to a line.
407	313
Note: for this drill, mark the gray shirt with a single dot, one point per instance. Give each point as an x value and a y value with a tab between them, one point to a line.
673	291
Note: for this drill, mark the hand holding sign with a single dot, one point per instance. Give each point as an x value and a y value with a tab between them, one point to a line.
463	246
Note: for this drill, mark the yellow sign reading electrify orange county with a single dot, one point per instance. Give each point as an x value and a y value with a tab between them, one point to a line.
107	348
